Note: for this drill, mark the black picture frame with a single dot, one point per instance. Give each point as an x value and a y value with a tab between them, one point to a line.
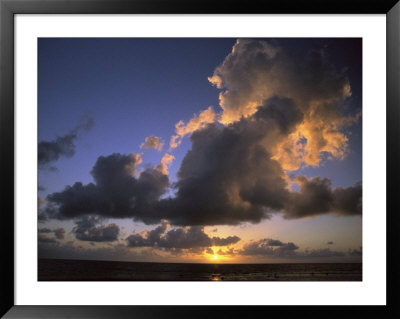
8	8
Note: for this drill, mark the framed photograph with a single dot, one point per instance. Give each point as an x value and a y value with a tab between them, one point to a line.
162	158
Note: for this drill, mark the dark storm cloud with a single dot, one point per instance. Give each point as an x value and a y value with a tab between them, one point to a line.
228	177
317	197
86	230
178	238
116	192
62	146
269	247
347	200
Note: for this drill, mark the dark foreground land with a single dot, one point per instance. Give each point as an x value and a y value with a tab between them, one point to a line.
89	270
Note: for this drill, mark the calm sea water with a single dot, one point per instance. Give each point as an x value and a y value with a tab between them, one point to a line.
88	270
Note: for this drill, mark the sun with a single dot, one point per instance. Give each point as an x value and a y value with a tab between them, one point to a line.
215	257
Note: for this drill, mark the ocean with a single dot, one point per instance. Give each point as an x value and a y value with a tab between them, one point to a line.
90	270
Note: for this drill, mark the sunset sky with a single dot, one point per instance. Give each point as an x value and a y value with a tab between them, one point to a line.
200	150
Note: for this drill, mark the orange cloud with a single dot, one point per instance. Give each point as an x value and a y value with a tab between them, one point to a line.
131	167
197	122
255	71
152	142
165	162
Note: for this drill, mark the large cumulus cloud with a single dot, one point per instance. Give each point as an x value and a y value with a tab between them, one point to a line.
116	192
255	70
228	177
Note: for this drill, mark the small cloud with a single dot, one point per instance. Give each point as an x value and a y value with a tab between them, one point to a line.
62	146
329	243
269	247
152	142
86	230
178	238
175	141
51	151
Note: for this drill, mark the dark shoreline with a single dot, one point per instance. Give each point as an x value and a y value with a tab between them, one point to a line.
93	270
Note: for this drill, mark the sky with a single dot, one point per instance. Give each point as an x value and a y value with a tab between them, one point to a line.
218	150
